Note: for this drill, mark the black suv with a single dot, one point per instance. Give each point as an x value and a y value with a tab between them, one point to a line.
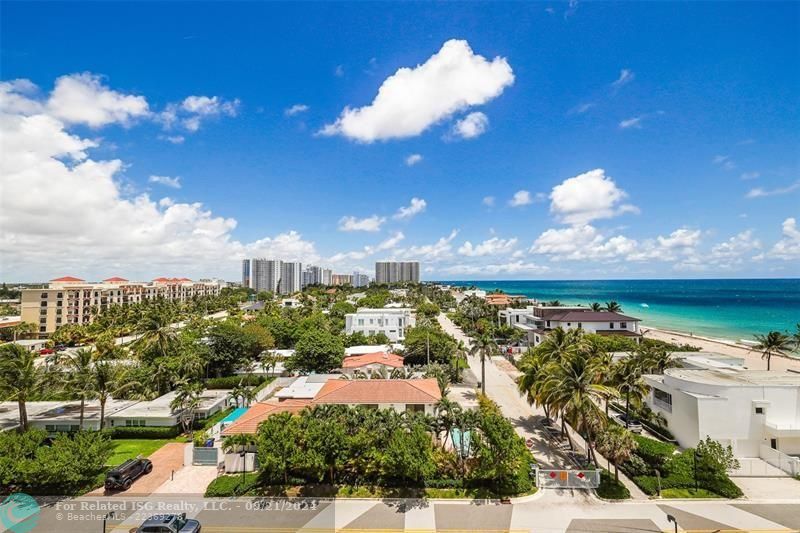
123	476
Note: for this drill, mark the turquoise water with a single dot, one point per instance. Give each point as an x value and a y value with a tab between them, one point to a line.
726	309
234	415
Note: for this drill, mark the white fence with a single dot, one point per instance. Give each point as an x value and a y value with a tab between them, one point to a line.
787	463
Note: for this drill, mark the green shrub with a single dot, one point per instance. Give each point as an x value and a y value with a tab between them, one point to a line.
610	488
655	453
144	432
444	483
231	485
229	382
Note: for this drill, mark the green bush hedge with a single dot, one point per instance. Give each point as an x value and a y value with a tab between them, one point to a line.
655	453
610	488
231	485
229	382
444	483
144	432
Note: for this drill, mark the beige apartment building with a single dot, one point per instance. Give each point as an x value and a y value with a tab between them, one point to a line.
70	300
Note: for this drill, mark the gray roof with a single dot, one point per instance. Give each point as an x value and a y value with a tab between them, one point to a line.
590	316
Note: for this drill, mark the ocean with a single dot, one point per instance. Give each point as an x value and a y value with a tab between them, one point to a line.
730	309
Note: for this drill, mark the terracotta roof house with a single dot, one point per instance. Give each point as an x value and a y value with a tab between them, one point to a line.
498	300
115	279
398	394
371	361
258	412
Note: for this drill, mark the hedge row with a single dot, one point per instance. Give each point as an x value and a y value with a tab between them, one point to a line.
231	485
144	432
229	382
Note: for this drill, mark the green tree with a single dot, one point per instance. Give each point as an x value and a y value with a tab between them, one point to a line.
617	445
317	351
325	444
773	343
19	378
714	460
409	455
80	381
421	339
277	441
483	347
596	306
629	383
186	403
613	306
110	380
501	454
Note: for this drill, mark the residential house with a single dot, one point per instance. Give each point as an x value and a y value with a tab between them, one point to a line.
390	322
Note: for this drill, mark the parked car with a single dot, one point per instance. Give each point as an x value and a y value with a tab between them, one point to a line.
46	351
60	347
123	476
631	424
169	523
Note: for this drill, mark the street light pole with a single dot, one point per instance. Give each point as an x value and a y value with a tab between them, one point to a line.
105	519
696	457
672	520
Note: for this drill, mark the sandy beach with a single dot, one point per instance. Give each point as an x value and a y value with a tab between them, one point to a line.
752	358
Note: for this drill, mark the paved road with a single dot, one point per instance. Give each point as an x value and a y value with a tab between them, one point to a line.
548	512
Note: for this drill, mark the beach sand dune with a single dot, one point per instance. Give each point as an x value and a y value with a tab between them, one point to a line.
752	357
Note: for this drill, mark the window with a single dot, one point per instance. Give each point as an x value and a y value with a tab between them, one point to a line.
60	295
415	408
135	423
580	325
610	325
662	399
44	295
569	324
759	410
517	318
548	323
44	304
623	325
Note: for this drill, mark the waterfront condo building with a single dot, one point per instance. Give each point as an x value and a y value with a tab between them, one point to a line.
396	272
341	279
391	322
261	275
70	300
360	280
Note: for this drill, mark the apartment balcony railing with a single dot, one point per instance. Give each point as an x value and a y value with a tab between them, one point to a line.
778	459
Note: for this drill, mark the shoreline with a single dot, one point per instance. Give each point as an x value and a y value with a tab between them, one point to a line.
752	359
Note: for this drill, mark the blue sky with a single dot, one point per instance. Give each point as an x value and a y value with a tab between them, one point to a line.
640	140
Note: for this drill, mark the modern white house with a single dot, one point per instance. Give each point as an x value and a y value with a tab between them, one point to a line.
756	412
537	320
390	322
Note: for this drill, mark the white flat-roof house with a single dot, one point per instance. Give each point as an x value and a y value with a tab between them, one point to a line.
537	320
390	322
756	412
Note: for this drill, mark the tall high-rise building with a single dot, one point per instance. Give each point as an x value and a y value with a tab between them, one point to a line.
291	277
341	279
327	275
265	275
360	280
246	273
312	275
396	271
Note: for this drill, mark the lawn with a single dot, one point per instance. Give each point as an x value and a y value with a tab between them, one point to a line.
688	493
125	449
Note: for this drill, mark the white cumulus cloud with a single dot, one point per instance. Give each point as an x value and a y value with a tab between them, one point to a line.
413	99
413	159
471	126
296	109
83	99
416	207
588	196
493	246
520	198
167	181
789	246
351	223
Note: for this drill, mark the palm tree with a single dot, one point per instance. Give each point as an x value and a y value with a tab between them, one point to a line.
773	343
595	306
248	395
617	445
186	402
658	359
796	336
534	368
110	380
573	386
613	306
157	334
484	346
19	378
554	303
628	378
80	378
560	342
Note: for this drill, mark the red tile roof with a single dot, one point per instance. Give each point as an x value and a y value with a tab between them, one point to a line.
115	279
161	279
388	359
379	391
248	422
68	278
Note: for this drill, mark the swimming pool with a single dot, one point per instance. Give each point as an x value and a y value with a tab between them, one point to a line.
234	415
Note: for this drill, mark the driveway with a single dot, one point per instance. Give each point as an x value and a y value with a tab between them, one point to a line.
165	460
